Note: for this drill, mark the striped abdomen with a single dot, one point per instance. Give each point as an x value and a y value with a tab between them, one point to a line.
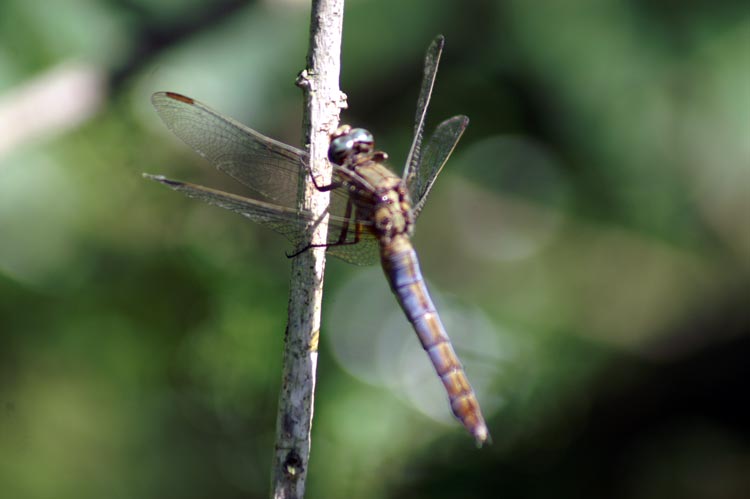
402	270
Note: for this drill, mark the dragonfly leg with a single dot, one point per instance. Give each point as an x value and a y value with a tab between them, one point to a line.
329	245
320	188
325	188
341	241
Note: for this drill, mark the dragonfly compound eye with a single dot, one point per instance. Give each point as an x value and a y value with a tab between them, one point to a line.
357	141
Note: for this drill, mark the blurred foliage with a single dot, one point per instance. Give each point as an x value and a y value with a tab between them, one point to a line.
588	245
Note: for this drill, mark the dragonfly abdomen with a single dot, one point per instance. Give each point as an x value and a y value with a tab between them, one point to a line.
404	275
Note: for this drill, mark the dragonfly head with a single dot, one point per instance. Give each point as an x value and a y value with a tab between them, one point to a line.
348	142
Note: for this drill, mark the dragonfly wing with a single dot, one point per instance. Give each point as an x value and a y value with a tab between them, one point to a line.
437	151
284	220
431	62
365	252
271	169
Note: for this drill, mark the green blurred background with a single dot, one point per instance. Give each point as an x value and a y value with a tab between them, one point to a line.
588	245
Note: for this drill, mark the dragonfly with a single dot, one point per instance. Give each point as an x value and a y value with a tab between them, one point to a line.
372	210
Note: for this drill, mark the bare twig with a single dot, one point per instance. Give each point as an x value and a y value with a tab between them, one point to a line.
323	101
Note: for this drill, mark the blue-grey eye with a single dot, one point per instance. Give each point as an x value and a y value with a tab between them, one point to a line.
361	136
358	140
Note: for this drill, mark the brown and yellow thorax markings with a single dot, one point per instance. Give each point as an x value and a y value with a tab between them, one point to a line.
380	196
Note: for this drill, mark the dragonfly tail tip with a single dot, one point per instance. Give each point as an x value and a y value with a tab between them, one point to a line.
482	436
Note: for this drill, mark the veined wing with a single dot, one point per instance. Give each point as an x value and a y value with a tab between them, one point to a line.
286	221
282	219
423	165
437	151
271	169
431	62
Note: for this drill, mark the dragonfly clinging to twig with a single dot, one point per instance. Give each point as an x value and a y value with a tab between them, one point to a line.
372	211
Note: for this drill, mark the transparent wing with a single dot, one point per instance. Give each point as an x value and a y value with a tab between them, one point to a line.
423	165
365	252
270	169
431	62
286	221
437	151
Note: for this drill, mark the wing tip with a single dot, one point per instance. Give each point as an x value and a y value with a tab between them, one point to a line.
463	119
460	119
151	176
163	180
179	97
172	96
